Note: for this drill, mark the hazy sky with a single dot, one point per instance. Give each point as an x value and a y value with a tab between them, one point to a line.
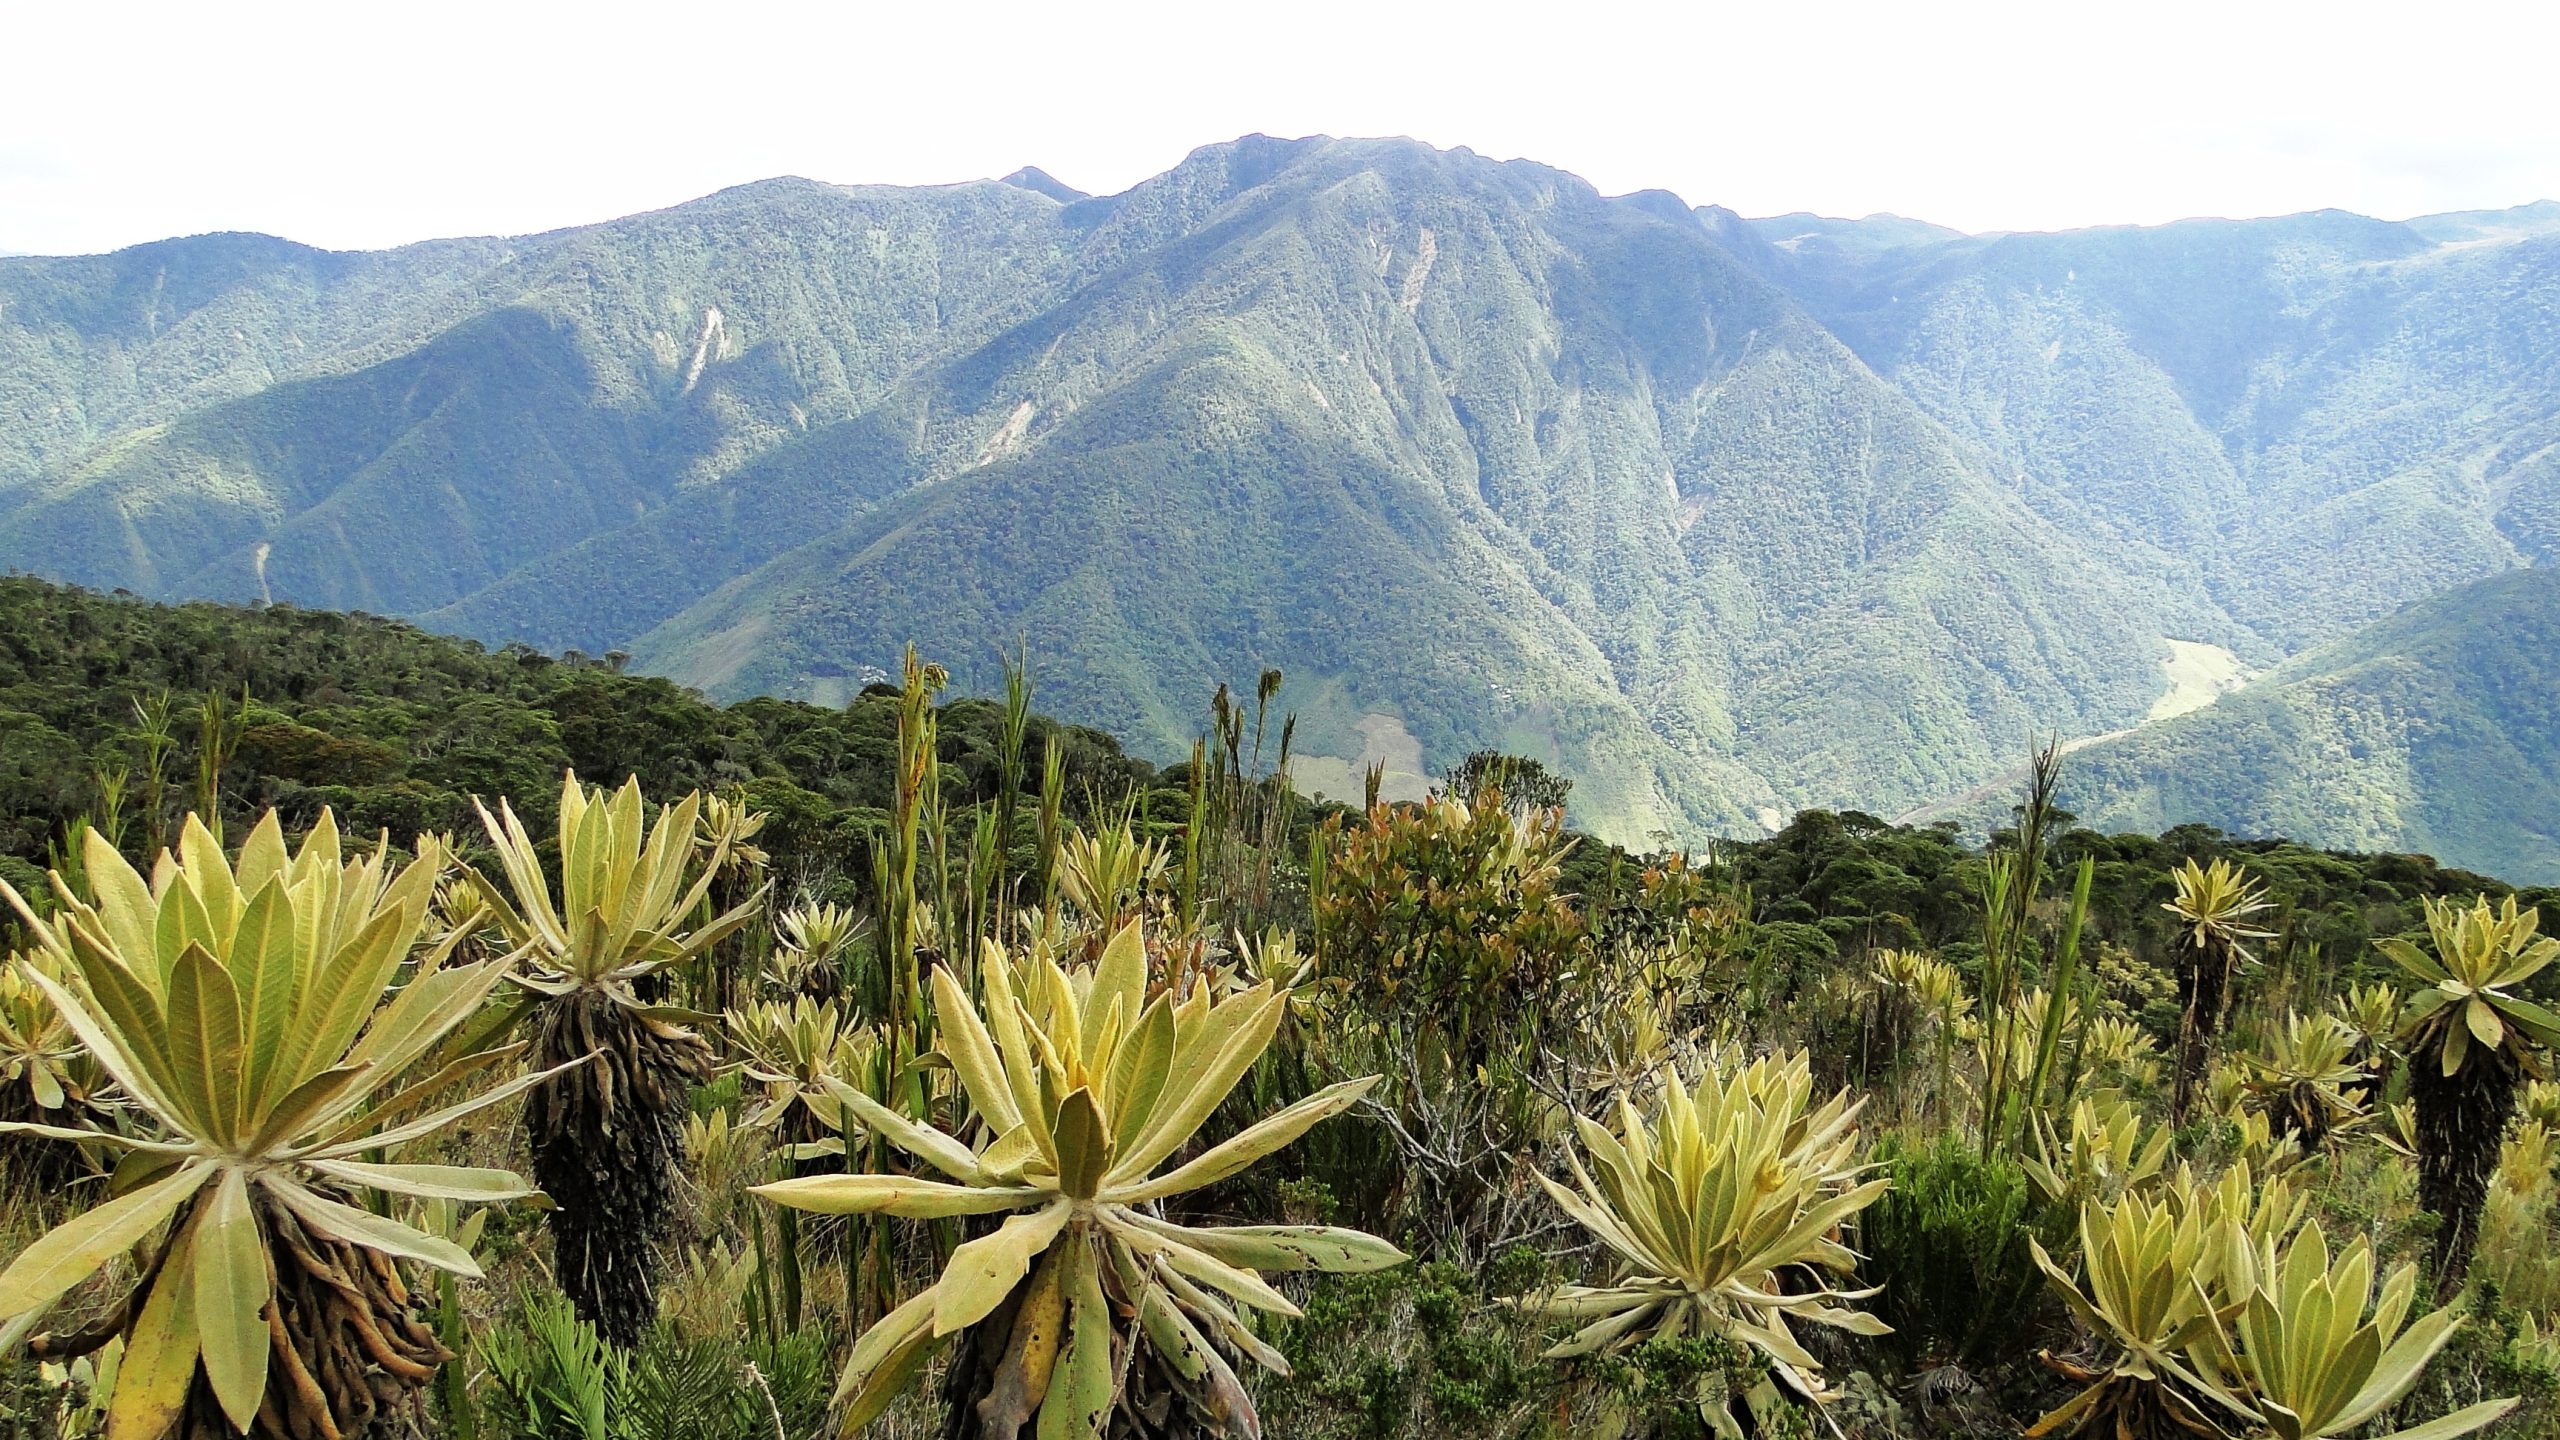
365	125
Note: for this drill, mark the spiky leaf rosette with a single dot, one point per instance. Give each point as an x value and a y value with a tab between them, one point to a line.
2213	905
45	1076
796	1053
254	1017
1086	1084
1705	1201
2311	1359
2149	1264
2107	1151
2302	1081
2471	1042
608	1138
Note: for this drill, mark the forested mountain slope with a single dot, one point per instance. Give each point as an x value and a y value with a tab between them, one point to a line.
1717	516
2326	416
2435	731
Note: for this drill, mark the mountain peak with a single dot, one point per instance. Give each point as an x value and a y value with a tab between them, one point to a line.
1041	182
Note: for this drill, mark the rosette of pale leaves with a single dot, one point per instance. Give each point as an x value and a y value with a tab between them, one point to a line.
2471	1041
42	1067
2214	903
1107	873
1087	1085
2371	1014
608	1139
810	941
2482	955
798	1053
2214	906
2300	1081
1705	1201
624	909
2148	1264
2313	1361
2104	1151
2162	1270
253	1017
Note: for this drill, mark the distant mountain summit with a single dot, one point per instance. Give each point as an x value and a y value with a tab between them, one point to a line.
1721	517
1041	182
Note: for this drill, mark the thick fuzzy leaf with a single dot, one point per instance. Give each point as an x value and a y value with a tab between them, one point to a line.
204	1042
922	1141
1282	1249
972	1053
430	1182
126	1032
1121	976
1198	1370
159	1361
125	908
70	1252
1139	1072
85	1137
231	1298
1253	1143
884	1359
1084	1383
984	1271
302	1106
1084	1146
1196	1092
362	1227
2460	1422
1031	1350
425	1125
1201	1305
1169	1243
900	1195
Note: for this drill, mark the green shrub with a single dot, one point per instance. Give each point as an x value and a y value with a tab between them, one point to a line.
1948	1242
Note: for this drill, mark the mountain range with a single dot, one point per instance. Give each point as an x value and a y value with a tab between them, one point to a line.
1722	517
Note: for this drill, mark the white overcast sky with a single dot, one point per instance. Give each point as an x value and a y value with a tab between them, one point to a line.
356	125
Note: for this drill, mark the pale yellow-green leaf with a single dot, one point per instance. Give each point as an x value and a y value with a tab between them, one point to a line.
269	979
126	913
374	1232
204	1042
2461	1422
70	1252
900	1195
142	1070
1251	1144
1084	1146
922	1141
1282	1249
972	1053
336	1148
429	1182
1139	1072
1031	1349
887	1356
1121	976
159	1363
231	1297
1082	1385
982	1272
1192	1094
1169	1243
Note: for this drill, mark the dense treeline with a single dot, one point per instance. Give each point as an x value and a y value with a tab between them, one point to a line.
396	728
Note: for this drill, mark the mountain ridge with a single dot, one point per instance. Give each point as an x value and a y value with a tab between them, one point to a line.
1461	445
